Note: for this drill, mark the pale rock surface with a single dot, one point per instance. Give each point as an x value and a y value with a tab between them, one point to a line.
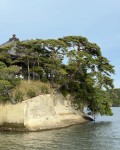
41	113
50	111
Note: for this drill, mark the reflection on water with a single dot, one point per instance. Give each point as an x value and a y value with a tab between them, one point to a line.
104	134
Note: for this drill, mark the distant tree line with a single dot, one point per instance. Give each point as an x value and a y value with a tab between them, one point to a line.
71	65
115	96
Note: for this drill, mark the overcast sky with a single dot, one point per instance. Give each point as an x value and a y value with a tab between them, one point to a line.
98	20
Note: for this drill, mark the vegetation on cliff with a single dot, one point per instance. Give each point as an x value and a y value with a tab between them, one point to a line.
26	90
70	65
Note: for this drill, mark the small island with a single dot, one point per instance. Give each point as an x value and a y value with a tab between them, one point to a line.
46	83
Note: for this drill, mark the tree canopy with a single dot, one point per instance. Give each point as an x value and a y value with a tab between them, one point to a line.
72	65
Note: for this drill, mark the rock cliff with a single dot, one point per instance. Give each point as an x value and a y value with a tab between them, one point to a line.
41	113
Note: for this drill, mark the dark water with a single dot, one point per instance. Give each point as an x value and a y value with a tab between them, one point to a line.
104	134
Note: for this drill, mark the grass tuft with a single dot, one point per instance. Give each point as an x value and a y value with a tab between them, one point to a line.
29	89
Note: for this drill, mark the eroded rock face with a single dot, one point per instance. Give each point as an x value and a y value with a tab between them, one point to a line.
49	112
41	113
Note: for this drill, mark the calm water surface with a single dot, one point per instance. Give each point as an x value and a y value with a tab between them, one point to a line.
104	134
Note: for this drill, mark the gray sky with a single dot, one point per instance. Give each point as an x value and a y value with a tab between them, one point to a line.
98	20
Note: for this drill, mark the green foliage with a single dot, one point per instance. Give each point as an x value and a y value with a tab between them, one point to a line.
64	91
18	96
7	81
115	97
44	89
89	75
29	89
4	55
86	76
31	93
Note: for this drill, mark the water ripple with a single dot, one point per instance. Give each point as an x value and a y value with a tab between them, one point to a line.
104	134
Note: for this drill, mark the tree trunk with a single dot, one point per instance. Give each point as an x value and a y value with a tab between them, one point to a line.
33	71
28	69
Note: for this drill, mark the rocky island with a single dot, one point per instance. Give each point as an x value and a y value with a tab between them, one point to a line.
37	77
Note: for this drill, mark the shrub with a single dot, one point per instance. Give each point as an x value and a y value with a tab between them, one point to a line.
18	96
44	89
31	93
29	89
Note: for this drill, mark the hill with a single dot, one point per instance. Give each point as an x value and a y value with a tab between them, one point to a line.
116	98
